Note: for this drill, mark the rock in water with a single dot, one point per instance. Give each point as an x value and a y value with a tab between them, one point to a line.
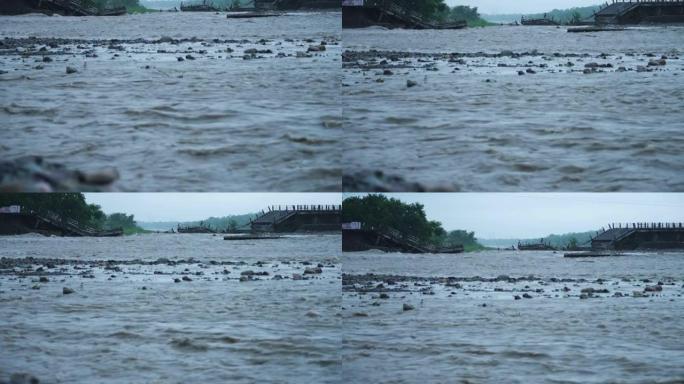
410	83
104	176
33	174
311	271
408	307
23	378
67	291
70	70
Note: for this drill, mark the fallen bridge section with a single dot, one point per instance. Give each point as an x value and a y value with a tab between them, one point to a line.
638	12
18	221
388	13
640	236
60	7
297	218
357	238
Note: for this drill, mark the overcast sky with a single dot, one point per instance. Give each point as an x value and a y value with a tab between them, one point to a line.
524	215
198	206
522	6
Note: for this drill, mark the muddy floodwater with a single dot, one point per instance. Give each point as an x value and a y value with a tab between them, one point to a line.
513	109
177	101
170	308
514	317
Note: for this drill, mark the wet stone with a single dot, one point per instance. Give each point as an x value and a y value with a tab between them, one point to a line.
312	271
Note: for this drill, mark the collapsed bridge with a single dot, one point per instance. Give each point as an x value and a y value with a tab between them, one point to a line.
297	218
357	237
638	12
16	220
640	236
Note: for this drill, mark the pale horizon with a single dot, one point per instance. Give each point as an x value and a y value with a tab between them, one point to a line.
154	207
536	215
498	7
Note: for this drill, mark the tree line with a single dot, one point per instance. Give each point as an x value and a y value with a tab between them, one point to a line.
379	211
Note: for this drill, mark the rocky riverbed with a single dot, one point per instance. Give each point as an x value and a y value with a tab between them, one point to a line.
511	316
371	288
192	98
487	109
159	307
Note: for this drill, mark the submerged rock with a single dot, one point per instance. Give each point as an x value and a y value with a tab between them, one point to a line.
23	378
33	174
70	70
67	291
378	181
311	271
408	307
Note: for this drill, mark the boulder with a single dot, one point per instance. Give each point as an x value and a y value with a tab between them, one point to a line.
312	270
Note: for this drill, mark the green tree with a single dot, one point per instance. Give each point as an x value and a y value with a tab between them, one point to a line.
379	211
232	225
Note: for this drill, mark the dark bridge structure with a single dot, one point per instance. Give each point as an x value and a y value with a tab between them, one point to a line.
296	4
297	218
640	236
61	7
359	238
387	13
638	12
47	223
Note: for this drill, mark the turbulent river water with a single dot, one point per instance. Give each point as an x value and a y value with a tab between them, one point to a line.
129	321
513	109
513	317
250	108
